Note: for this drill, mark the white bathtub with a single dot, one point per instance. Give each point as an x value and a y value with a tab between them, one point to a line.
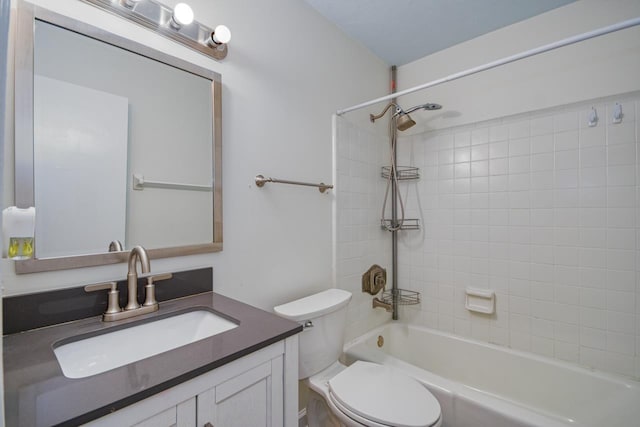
480	384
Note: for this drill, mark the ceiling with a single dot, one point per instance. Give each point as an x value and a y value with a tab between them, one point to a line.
401	31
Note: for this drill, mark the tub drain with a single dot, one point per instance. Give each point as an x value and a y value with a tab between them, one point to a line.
380	340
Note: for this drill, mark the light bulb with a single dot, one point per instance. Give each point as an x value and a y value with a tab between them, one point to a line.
221	34
182	15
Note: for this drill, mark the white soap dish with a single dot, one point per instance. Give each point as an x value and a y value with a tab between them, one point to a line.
480	300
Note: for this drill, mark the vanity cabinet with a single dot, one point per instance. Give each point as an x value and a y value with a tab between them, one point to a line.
257	390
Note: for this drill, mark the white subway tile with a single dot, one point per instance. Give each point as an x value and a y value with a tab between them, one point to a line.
593	318
593	338
593	157
567	255
542	291
568	352
542	328
593	197
621	260
542	199
567	178
520	182
480	168
480	152
621	175
542	162
593	238
499	182
566	313
566	275
498	150
621	280
499	166
593	257
445	157
621	301
595	177
593	137
621	197
567	198
445	142
519	147
542	217
566	140
542	346
593	217
498	133
519	199
621	217
623	323
462	155
566	332
621	343
480	136
542	254
566	217
622	154
462	170
479	201
593	298
541	144
566	159
519	164
519	217
542	180
622	133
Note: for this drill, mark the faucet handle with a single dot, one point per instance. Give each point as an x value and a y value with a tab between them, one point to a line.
113	305
150	293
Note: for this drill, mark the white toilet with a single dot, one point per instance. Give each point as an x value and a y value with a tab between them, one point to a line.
363	394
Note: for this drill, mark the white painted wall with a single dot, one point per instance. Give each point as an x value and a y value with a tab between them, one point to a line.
591	69
287	71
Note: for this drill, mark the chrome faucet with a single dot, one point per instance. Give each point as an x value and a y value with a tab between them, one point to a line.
137	253
114	312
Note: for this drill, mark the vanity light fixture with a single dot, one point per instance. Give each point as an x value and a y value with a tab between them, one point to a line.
177	24
182	15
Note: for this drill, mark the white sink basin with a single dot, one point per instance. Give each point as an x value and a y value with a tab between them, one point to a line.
100	353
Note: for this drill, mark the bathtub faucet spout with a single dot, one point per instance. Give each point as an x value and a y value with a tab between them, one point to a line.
379	303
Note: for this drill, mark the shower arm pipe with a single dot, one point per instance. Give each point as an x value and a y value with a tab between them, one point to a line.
506	60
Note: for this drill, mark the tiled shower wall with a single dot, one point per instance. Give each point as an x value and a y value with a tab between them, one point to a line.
360	242
542	209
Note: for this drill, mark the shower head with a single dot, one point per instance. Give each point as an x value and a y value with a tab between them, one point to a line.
403	120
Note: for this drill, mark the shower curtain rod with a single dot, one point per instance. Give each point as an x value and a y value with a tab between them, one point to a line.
541	49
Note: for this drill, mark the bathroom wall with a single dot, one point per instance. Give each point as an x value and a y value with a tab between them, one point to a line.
287	71
359	152
542	209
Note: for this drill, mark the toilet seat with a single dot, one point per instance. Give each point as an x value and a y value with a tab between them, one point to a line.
378	395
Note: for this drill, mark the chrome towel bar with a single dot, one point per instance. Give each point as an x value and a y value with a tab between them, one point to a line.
261	180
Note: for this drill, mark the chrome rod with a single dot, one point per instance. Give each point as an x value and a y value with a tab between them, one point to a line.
261	181
506	60
139	183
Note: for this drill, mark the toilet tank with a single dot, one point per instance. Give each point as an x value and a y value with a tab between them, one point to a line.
323	317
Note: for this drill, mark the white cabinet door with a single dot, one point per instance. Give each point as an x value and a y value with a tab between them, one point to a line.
253	398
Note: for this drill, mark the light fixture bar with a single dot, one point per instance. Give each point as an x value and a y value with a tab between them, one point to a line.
158	17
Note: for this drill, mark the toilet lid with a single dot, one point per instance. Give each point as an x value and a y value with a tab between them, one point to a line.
384	395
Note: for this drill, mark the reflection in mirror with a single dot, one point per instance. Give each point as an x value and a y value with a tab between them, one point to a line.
101	115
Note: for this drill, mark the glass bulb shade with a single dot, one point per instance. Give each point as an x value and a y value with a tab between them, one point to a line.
183	14
221	34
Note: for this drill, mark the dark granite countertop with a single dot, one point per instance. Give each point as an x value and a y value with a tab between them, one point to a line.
37	393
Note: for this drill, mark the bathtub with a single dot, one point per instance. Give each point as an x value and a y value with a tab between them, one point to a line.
480	384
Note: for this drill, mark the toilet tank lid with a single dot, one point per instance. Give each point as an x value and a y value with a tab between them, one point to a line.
315	305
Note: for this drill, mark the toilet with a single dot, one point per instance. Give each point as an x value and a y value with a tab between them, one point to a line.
363	394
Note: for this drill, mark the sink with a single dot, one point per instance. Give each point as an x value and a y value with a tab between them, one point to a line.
100	353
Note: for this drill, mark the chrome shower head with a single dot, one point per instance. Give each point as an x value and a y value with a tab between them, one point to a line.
404	122
403	119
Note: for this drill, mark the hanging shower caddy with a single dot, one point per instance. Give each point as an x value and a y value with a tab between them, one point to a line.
403	173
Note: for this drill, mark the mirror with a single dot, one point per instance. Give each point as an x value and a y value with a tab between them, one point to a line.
114	142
